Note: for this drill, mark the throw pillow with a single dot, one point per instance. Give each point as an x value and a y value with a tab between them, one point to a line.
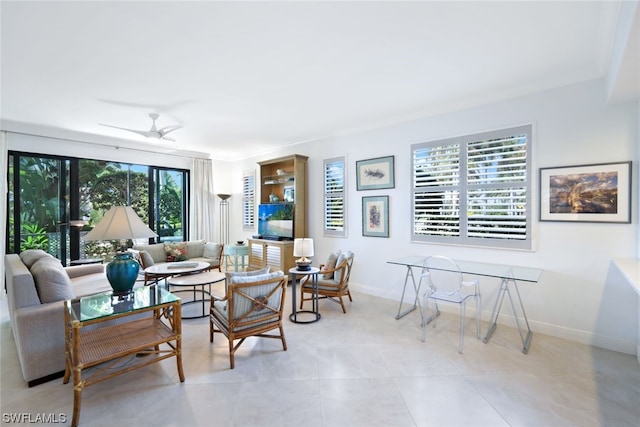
52	281
231	274
330	265
337	275
195	248
146	259
176	251
30	256
156	251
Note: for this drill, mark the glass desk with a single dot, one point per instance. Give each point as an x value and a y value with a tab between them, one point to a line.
509	276
113	345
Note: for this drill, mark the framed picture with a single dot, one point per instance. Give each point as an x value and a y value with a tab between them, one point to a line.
375	216
586	193
289	194
374	174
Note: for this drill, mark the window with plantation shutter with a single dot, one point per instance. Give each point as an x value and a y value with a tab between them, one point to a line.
248	199
474	190
334	197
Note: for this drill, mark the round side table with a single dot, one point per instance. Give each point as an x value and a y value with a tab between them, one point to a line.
313	272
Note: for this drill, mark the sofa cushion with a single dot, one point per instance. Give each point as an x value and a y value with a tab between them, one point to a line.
195	248
30	256
176	251
156	251
52	282
212	250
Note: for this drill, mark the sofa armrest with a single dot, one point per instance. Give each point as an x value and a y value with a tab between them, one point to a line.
83	270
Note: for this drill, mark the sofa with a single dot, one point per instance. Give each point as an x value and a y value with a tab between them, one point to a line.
195	250
37	285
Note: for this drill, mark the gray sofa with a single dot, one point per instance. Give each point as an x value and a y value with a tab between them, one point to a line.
195	250
37	285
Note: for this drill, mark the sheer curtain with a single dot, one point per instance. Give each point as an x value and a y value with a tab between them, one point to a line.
4	158
202	204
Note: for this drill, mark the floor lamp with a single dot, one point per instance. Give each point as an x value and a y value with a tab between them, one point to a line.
224	218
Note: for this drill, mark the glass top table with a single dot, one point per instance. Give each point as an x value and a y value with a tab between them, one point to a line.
509	275
107	304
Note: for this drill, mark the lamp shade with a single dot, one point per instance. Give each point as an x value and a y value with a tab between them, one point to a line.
303	247
120	222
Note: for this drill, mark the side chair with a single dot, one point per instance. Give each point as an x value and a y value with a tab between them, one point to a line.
446	283
333	283
252	306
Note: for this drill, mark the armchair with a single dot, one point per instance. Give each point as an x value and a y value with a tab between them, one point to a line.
333	283
252	306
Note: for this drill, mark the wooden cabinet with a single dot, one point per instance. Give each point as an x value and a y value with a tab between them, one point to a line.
271	253
285	180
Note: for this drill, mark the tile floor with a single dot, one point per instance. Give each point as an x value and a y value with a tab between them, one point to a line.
363	368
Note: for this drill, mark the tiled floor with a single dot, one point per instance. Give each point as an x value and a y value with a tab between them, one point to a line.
363	368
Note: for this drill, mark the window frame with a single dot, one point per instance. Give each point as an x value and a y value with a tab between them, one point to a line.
328	193
467	186
249	200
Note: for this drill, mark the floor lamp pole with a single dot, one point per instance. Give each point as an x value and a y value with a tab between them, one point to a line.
224	218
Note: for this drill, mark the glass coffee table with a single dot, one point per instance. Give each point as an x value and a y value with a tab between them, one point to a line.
112	345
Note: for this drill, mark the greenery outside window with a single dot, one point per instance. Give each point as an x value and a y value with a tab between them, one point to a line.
334	197
474	190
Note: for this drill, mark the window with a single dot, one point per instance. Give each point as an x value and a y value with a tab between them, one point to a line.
474	190
248	199
334	197
54	201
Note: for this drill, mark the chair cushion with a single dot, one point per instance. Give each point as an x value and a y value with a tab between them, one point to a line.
176	251
52	281
330	264
30	256
337	275
230	274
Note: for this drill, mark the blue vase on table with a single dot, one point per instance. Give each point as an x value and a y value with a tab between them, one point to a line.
122	273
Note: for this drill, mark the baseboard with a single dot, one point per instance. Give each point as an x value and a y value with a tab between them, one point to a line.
506	319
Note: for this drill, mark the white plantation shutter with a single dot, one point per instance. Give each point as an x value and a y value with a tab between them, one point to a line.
248	199
334	197
474	190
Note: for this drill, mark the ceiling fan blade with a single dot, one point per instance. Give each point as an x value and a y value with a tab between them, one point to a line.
145	133
165	130
165	138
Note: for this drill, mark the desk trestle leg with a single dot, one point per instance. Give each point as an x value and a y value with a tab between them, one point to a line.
416	288
504	289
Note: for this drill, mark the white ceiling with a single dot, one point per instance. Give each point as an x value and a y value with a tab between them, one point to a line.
245	77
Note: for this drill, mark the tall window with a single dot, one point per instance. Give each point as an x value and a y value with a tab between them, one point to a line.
54	201
334	197
248	199
474	190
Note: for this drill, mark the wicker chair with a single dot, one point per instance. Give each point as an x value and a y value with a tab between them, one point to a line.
333	283
252	306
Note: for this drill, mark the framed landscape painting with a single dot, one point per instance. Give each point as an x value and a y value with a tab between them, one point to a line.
586	193
375	174
375	216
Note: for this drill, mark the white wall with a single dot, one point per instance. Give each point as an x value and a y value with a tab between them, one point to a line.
578	297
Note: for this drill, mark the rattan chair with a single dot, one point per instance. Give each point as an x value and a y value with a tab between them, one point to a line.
252	306
445	283
333	288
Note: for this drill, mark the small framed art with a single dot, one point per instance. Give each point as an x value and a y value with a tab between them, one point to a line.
375	174
375	216
586	193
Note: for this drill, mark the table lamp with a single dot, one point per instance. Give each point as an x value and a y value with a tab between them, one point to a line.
121	223
303	248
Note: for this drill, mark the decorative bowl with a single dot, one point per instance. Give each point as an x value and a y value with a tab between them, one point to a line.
240	242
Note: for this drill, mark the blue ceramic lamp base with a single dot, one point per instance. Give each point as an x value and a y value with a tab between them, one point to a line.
122	273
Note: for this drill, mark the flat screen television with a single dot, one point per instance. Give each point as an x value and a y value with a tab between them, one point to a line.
275	221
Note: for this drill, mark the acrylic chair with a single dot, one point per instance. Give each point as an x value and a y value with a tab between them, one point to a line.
252	307
445	282
333	288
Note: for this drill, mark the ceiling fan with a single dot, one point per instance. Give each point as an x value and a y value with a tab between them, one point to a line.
154	132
